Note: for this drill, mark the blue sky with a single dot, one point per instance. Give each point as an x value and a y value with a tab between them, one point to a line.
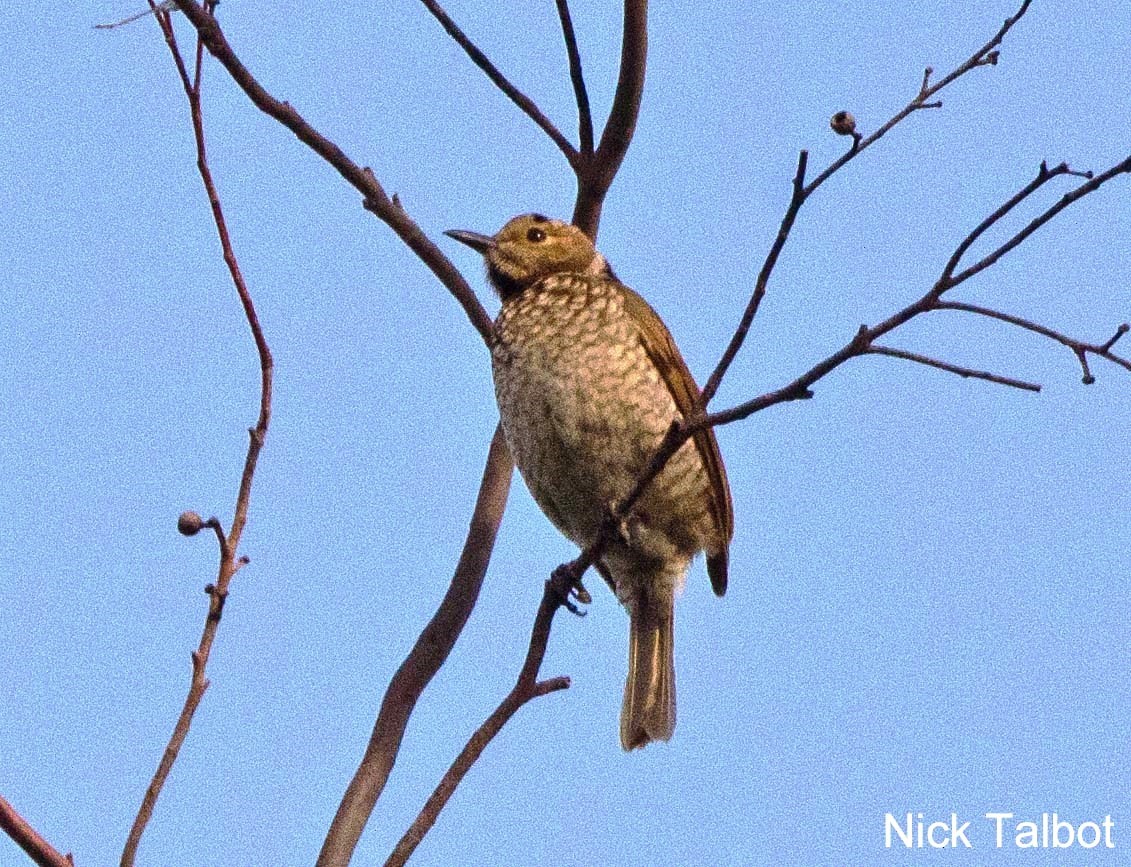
926	607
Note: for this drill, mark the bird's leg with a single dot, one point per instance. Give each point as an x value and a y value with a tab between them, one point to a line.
613	528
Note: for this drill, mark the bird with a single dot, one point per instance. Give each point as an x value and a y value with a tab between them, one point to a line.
588	380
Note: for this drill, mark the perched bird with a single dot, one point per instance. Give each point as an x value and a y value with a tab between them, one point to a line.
588	380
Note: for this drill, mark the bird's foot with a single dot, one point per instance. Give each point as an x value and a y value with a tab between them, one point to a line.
566	583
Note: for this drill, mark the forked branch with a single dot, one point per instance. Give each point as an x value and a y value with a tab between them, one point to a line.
1080	348
526	688
229	544
423	661
864	340
595	168
598	173
803	188
987	55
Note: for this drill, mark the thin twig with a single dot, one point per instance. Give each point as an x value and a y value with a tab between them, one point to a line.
981	57
30	840
580	93
964	372
423	661
1081	349
229	563
362	179
796	200
526	689
802	190
1089	186
167	4
525	103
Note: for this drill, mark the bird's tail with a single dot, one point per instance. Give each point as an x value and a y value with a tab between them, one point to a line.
648	713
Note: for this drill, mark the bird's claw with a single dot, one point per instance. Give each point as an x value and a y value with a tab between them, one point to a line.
567	586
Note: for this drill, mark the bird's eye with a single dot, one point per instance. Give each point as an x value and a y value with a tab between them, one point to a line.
535	236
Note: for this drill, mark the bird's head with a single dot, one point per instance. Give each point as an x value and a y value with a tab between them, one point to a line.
531	247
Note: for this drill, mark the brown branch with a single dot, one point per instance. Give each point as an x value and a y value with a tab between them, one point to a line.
580	93
1044	175
30	840
229	563
1080	348
987	55
862	342
423	661
797	199
597	174
802	190
525	103
1089	186
363	180
526	688
964	372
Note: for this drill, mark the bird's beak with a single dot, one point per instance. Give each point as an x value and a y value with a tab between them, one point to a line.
477	242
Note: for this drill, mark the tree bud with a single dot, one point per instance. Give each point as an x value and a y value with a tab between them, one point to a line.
189	523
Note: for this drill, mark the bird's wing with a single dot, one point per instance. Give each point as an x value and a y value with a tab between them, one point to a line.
661	348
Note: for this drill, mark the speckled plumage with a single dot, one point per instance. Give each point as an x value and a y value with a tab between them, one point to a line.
588	381
584	408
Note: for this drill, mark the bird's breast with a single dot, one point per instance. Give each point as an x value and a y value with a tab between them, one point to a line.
583	408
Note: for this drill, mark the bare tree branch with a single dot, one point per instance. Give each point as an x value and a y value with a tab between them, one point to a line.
130	19
964	372
581	95
30	840
362	179
596	176
1079	347
422	663
526	688
229	564
797	199
500	81
594	169
1044	175
987	55
865	337
802	190
1093	184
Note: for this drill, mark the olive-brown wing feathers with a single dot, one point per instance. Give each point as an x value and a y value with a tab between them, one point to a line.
661	349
